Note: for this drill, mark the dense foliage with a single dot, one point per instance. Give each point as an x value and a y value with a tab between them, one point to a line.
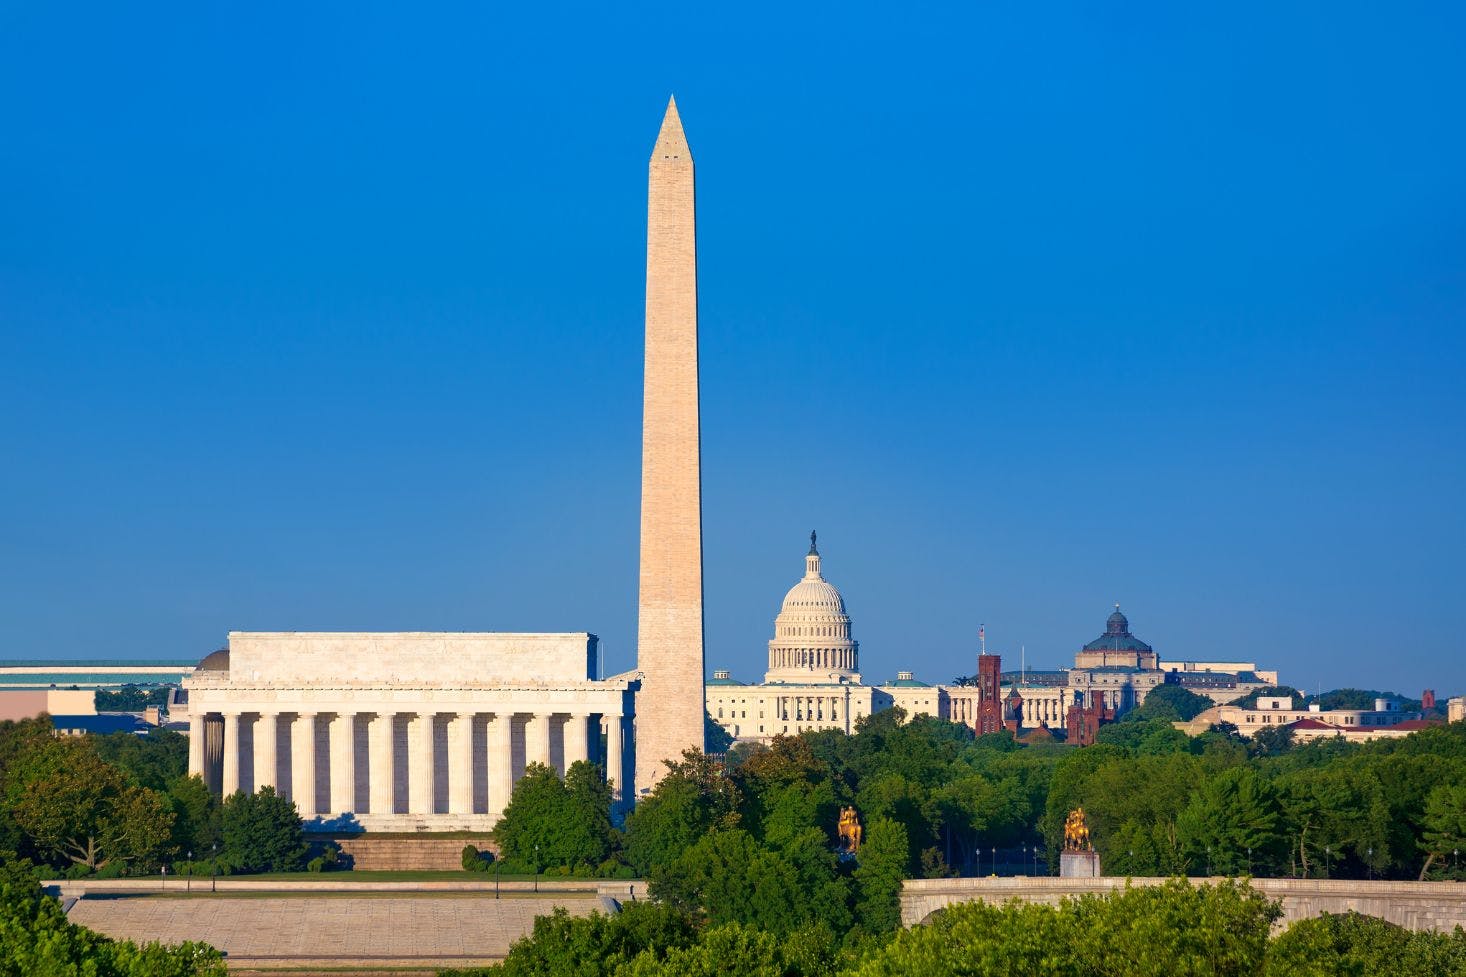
554	822
130	698
123	805
37	941
261	832
1171	930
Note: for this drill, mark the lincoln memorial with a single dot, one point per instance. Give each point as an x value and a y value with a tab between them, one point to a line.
404	731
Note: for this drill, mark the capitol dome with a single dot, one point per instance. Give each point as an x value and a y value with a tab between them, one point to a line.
812	641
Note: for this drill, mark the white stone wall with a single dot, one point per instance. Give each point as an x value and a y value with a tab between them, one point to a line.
404	658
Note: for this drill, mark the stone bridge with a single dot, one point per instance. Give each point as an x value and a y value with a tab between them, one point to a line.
1439	906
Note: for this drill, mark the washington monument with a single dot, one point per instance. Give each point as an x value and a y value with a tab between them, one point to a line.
669	650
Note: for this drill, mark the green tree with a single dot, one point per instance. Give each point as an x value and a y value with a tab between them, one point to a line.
154	761
1173	930
598	945
1232	825
733	950
1351	945
1331	812
73	805
1444	826
693	797
880	870
1172	703
1271	741
36	940
1249	701
18	739
129	698
195	815
548	822
890	795
261	832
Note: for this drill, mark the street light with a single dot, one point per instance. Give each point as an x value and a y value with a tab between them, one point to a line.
536	868
1024	849
188	882
1035	859
1371	863
994	850
1249	860
1326	853
214	870
1208	861
164	869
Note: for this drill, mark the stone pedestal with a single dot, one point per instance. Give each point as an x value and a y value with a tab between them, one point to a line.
1079	865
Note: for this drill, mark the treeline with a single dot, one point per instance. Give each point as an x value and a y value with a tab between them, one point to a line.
130	698
36	940
1174	930
122	804
752	840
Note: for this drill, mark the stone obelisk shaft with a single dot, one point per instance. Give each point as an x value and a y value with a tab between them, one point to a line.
670	623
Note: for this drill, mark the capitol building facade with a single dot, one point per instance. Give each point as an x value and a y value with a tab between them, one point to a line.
813	680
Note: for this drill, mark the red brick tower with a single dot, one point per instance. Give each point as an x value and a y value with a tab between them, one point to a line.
989	694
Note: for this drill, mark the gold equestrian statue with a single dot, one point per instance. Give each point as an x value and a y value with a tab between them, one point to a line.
1076	832
850	830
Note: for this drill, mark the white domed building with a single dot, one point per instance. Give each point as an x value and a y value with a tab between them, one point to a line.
812	641
813	678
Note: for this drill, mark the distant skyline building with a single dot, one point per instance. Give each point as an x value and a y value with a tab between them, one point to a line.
813	678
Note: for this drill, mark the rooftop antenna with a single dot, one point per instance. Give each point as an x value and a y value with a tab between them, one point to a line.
1023	666
982	639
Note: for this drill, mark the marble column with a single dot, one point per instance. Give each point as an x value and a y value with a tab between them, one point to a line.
501	761
421	774
267	749
381	770
577	745
615	770
537	739
196	744
230	782
460	764
303	764
343	762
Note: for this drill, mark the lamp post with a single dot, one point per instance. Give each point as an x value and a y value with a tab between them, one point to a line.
1208	861
214	869
1035	859
1371	863
994	851
1327	851
496	878
1249	860
536	868
164	869
1024	849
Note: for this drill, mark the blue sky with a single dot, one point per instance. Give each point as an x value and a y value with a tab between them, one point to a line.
331	319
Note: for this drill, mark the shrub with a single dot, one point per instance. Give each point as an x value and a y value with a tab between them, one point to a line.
474	860
36	939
